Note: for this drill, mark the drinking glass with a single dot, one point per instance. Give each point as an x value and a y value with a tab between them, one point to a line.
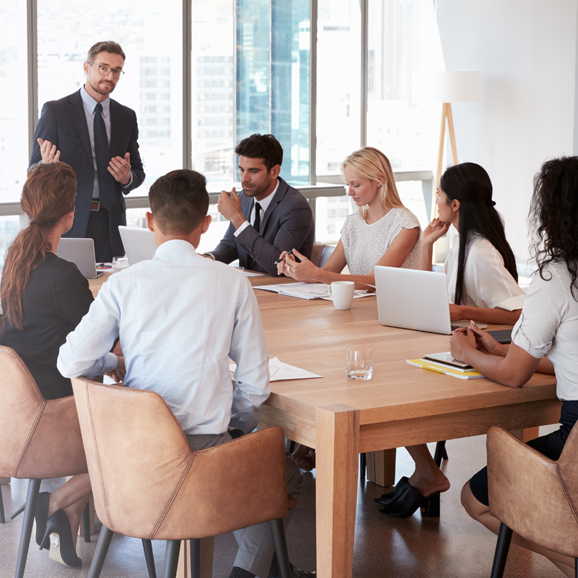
119	263
359	363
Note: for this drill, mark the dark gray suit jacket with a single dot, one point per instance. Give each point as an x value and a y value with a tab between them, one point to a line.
287	224
63	123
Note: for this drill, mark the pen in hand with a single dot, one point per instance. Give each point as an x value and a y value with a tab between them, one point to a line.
281	259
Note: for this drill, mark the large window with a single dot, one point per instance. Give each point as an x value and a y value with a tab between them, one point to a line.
324	83
273	78
13	109
150	35
402	42
338	83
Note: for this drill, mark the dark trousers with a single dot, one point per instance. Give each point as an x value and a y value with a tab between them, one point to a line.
98	230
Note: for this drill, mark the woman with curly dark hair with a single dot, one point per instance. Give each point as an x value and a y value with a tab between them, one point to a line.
546	336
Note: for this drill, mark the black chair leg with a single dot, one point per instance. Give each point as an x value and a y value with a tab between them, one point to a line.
440	453
172	561
18	511
86	522
101	551
31	500
280	542
149	557
502	547
195	547
2	518
362	466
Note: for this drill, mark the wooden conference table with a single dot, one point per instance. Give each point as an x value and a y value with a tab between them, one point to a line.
401	405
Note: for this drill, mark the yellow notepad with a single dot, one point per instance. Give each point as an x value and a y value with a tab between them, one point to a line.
438	368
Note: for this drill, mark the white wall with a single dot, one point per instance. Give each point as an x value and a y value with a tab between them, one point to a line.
526	53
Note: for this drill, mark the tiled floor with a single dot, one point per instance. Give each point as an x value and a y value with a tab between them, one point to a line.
452	546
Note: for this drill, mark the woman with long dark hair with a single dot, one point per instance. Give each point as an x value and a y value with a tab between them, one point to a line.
482	284
43	299
481	268
545	338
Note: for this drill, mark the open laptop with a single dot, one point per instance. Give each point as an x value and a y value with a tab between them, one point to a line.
81	253
413	299
139	244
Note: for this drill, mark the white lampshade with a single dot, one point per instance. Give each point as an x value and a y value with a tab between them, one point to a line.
448	85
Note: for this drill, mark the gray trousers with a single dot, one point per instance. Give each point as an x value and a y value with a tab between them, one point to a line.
256	542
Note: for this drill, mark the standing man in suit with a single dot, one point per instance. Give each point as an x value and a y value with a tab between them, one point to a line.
269	216
97	137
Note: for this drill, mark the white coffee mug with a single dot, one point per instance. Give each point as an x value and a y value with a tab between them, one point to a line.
342	294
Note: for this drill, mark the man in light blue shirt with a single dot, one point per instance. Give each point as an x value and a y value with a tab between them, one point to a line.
179	318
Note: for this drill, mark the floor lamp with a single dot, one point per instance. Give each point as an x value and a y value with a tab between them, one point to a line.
446	87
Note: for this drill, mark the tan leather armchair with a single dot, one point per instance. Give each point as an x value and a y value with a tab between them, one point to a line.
40	438
147	483
533	495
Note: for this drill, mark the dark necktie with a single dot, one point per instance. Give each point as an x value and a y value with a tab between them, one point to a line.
106	183
256	226
257	223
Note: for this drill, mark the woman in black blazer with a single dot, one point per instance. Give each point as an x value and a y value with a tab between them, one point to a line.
43	300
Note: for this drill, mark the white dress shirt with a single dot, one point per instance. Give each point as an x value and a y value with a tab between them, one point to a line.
548	326
264	206
487	282
179	317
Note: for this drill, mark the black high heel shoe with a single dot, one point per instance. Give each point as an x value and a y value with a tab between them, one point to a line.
410	501
58	537
41	516
397	491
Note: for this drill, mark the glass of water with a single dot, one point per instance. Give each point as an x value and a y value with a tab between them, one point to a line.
119	263
359	363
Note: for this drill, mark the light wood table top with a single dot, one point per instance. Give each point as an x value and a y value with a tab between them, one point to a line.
401	404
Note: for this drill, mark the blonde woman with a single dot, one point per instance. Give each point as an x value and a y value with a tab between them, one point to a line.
381	232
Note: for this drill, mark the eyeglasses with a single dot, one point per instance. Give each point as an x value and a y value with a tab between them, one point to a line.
106	70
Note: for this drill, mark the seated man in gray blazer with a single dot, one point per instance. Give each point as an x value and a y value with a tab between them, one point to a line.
269	216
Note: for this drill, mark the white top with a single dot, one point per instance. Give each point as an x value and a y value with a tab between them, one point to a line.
180	317
365	244
548	327
264	206
487	282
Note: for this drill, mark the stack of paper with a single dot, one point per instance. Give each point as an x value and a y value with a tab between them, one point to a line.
445	369
279	371
307	290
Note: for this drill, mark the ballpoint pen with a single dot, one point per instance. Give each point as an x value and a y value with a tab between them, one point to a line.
279	260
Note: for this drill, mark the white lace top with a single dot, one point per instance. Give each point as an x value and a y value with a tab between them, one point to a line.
365	244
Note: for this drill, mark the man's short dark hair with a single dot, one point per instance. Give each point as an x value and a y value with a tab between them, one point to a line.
106	46
261	146
179	201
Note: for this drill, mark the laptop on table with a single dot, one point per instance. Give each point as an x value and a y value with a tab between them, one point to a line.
81	253
139	244
412	299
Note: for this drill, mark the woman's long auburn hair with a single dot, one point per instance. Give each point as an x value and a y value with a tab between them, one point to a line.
47	196
470	184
